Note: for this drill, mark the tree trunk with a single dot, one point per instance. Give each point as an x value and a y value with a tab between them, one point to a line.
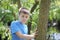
29	25
19	3
43	20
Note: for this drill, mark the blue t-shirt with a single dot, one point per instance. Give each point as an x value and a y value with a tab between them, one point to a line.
18	26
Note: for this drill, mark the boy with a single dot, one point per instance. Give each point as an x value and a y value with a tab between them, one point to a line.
18	28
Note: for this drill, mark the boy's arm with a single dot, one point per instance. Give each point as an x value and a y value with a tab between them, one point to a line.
19	34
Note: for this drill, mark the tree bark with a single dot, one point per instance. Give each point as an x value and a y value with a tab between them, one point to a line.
43	19
19	3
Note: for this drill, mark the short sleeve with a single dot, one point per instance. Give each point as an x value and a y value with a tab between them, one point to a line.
14	27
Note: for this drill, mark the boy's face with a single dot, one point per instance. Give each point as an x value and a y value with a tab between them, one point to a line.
23	17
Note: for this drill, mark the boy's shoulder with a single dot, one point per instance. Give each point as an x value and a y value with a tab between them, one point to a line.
13	22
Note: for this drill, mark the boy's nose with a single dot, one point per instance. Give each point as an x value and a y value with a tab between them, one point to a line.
24	18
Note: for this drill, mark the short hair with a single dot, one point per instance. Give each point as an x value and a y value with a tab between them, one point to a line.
24	10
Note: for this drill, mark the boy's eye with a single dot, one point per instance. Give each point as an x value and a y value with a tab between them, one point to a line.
26	16
23	16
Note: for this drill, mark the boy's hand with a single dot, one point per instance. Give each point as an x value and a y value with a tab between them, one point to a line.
36	33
